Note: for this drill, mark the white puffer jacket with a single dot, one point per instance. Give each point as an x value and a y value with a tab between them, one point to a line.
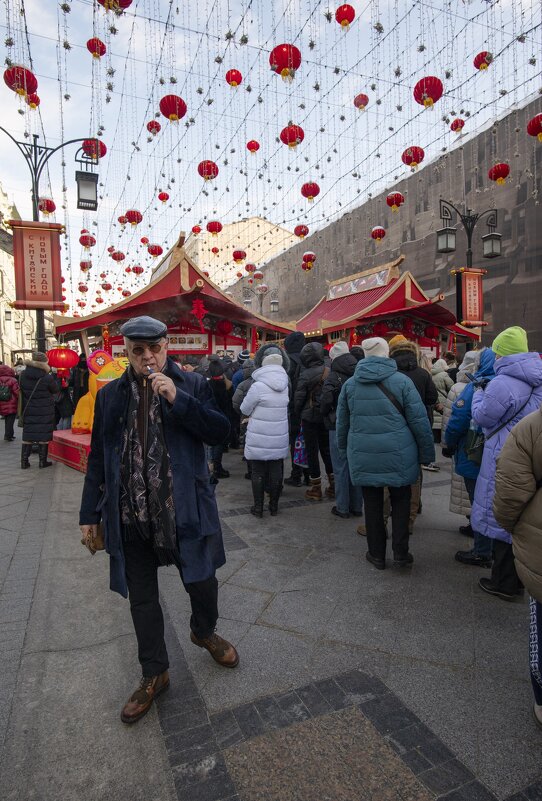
267	404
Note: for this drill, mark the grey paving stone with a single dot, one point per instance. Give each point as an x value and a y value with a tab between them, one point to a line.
292	704
334	695
184	721
273	716
249	721
313	700
447	776
388	714
190	739
196	771
473	791
517	797
215	789
359	685
226	729
534	792
415	761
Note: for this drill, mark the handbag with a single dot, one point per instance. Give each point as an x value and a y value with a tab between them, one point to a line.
96	542
5	392
475	439
391	397
20	410
300	450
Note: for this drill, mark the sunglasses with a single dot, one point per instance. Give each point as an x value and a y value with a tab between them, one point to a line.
154	347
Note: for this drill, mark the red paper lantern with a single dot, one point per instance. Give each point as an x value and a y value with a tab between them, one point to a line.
205	273
20	80
133	216
33	100
395	200
285	60
251	280
99	299
144	240
85	265
307	266
155	250
413	156
154	127
310	190
258	275
122	220
345	15
115	5
483	60
379	329
87	240
208	170
196	230
62	358
234	78
309	257
292	135
239	256
239	274
173	107
223	329
378	233
106	286
103	275
92	150
118	255
215	251
301	231
96	47
126	293
432	332
46	206
163	197
499	173
534	127
214	227
82	288
137	269
81	304
253	146
428	90
457	125
128	269
250	268
361	101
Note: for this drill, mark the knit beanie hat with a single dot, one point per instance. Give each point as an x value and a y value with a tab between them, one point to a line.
294	342
38	356
397	339
440	366
272	358
216	368
375	346
243	356
338	349
511	340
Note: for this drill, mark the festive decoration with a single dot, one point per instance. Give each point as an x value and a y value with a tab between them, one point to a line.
307	266
214	227
215	251
395	200
111	249
98	299
198	311
483	60
118	6
144	240
292	136
223	329
208	170
106	286
234	78
258	275
301	231
309	258
361	101
128	269
239	275
378	233
46	205
92	150
457	125
123	220
134	216
32	100
428	91
126	293
96	47
413	156
85	265
82	288
154	127
253	146
137	269
62	358
534	127
499	173
310	190
155	250
173	107
285	60
87	240
380	329
345	15
163	197
196	229
239	256
118	255
250	268
20	80
432	332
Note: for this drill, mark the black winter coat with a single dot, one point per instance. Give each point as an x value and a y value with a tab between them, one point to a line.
407	363
342	368
39	411
308	390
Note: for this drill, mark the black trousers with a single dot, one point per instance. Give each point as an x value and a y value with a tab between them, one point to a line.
142	578
373	504
317	442
503	572
268	474
9	421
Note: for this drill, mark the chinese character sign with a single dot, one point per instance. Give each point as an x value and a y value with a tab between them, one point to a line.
36	254
472	297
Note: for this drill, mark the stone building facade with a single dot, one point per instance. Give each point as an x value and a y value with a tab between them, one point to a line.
513	284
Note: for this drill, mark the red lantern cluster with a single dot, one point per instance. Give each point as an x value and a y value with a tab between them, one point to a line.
196	229
137	269
154	127
499	173
87	240
285	60
378	233
413	156
106	286
20	80
46	206
309	258
534	127
239	256
253	146
118	255
258	275
292	135
134	216
457	125
307	266
96	47
428	91
208	170
155	250
234	78
301	231
163	197
250	268
345	15
173	107
483	60
214	227
82	288
94	148
85	265
361	101
395	200
310	190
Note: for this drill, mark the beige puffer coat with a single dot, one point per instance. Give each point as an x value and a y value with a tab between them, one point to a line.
443	383
517	503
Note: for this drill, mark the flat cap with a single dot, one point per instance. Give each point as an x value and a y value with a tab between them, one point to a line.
144	328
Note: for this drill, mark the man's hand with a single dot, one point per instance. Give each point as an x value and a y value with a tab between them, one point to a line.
162	385
88	534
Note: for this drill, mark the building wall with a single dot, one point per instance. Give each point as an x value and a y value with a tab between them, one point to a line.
513	284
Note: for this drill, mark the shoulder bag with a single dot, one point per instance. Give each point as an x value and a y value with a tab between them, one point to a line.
20	421
475	439
391	397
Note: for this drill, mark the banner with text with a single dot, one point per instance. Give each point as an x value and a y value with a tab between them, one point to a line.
36	254
472	297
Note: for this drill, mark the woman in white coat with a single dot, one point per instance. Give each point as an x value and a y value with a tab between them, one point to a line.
267	442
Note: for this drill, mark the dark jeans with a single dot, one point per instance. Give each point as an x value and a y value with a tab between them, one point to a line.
535	649
142	578
317	442
268	473
503	572
373	498
8	425
483	546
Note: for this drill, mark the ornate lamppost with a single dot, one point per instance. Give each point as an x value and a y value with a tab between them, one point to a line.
259	292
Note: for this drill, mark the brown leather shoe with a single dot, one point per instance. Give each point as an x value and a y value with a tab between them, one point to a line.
141	701
220	649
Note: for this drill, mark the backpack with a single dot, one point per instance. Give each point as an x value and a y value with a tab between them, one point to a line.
5	392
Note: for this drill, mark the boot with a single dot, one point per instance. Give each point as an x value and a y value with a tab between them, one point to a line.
330	489
219	471
274	495
258	493
314	493
296	477
43	450
26	450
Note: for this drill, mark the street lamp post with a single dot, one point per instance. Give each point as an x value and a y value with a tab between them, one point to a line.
260	292
36	157
446	240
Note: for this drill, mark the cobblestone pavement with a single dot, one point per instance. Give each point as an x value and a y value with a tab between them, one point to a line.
353	683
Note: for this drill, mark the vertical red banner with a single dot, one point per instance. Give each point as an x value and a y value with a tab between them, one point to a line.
36	254
472	297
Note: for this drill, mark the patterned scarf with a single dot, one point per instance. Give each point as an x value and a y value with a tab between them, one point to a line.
146	484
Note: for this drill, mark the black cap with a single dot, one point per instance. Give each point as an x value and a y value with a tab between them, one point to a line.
144	328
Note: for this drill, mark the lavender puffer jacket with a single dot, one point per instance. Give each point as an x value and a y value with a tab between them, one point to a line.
518	378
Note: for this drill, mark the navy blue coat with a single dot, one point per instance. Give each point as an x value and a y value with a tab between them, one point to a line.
192	420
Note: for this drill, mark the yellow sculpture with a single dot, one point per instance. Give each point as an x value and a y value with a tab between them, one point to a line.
102	369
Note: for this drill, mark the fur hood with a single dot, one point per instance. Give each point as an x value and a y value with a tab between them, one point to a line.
405	347
261	353
40	365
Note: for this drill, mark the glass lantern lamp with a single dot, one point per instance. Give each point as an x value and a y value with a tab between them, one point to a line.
492	245
446	240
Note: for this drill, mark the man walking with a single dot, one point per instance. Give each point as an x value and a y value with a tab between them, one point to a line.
147	481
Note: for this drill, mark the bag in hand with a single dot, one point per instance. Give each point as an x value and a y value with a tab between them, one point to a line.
96	542
300	450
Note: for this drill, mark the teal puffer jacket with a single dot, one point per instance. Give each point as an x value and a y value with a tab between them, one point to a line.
384	447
